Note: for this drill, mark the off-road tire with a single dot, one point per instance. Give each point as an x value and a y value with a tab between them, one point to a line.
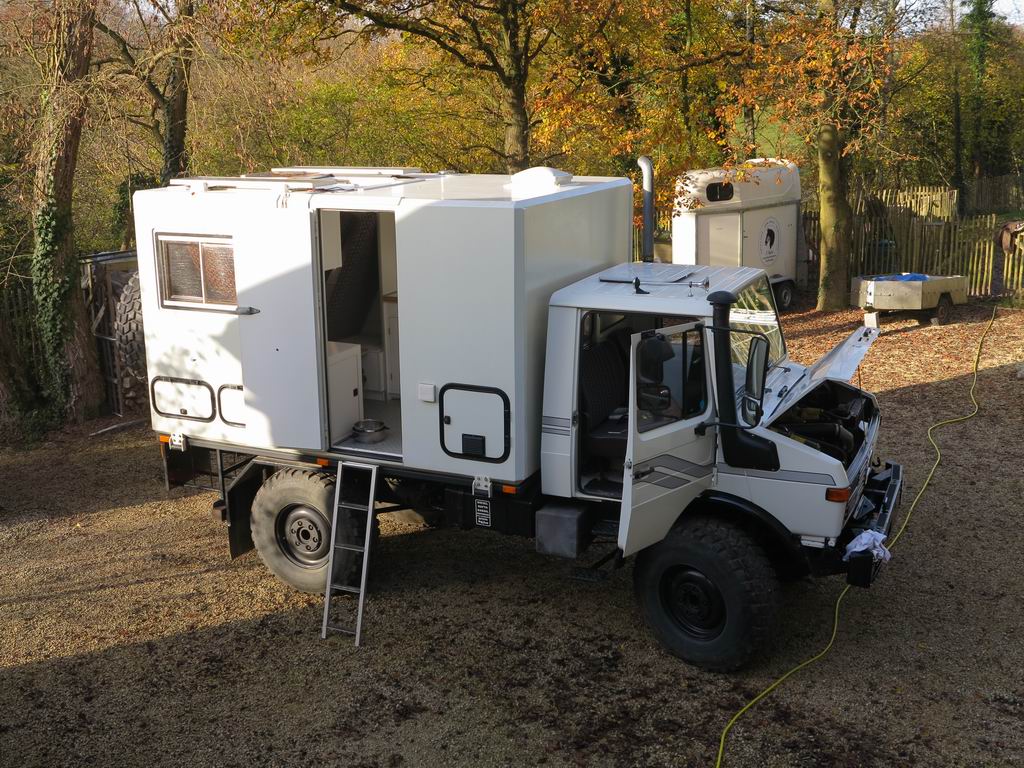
731	561
287	490
128	329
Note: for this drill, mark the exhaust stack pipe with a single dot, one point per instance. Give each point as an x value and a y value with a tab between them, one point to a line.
647	246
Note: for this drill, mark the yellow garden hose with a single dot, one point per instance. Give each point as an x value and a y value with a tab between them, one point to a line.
892	542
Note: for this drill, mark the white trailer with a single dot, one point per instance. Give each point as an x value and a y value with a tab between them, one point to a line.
746	216
531	381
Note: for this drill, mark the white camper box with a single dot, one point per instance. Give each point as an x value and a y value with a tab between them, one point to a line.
748	216
441	335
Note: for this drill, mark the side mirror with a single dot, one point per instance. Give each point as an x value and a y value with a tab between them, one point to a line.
757	373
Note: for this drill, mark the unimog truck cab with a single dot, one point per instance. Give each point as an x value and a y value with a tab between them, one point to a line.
486	344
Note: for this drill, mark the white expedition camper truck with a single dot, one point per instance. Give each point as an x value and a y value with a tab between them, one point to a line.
517	373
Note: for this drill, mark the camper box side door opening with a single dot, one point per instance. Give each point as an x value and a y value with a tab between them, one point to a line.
279	306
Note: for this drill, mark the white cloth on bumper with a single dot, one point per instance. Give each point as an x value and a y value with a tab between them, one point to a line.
869	541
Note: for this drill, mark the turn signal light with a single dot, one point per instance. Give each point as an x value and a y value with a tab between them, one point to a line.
165	438
838	494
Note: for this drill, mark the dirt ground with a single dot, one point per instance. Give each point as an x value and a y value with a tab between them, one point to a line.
127	636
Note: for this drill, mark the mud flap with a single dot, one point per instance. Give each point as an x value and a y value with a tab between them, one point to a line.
238	509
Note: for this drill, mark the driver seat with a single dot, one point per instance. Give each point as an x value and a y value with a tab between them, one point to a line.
604	387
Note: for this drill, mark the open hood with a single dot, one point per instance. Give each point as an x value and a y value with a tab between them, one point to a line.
839	364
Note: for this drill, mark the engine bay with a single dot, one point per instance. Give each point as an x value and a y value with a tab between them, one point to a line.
831	418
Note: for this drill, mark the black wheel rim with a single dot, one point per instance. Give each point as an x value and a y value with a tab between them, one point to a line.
304	535
694	602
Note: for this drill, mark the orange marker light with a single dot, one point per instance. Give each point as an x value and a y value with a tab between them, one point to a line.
165	438
838	494
323	462
509	489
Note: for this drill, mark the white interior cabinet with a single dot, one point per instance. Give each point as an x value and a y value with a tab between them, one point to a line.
344	387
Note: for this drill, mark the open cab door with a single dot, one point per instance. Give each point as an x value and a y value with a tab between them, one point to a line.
667	463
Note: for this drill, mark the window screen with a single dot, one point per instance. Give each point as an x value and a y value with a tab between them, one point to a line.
197	272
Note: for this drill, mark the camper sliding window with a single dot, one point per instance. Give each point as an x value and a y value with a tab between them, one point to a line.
196	272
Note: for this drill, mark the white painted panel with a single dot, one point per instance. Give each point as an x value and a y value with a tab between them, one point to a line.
474	413
769	240
183	342
719	239
684	239
188	399
280	357
456	288
563	240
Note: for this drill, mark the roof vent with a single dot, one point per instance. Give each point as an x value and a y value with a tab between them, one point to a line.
539	181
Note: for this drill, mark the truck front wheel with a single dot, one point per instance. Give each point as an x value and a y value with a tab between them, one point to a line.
709	593
291	528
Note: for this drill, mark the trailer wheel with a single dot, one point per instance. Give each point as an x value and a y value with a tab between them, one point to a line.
944	309
291	528
709	594
784	294
128	329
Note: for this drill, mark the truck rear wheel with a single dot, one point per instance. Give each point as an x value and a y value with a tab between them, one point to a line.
291	528
709	594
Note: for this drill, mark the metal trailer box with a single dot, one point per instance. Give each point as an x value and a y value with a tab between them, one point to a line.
747	216
873	293
235	276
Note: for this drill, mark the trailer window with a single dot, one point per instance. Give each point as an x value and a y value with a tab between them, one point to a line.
195	271
671	379
719	191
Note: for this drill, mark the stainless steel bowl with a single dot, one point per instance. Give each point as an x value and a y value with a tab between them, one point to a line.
370	430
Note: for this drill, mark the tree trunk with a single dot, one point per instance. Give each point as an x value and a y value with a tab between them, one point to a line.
958	146
72	386
175	108
517	127
748	111
836	221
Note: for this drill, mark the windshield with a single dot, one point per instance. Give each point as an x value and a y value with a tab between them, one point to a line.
754	310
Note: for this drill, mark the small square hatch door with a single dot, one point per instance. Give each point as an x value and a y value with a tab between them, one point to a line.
475	422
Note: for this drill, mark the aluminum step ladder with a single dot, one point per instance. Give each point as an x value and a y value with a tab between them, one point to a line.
354	495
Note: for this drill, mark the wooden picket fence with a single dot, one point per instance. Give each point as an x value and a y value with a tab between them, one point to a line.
998	194
17	308
897	240
934	202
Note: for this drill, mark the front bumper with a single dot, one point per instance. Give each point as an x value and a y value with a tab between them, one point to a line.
876	511
883	491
